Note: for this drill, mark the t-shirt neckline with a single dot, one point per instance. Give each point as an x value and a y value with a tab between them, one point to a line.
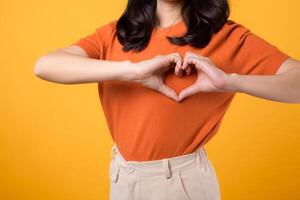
178	27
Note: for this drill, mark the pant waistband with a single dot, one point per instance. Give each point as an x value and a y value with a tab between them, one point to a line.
165	166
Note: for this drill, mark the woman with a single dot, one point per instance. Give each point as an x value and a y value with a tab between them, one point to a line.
167	71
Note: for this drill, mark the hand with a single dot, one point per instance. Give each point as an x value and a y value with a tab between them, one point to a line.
150	73
210	78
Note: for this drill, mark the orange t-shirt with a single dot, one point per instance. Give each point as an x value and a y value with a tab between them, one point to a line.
145	124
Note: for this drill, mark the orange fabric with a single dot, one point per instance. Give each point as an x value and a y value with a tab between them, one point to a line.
147	125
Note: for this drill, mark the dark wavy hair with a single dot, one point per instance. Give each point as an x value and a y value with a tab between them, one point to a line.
201	17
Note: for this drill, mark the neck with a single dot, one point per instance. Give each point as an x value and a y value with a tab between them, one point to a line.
167	11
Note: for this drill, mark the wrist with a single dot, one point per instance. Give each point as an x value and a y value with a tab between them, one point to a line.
232	82
130	72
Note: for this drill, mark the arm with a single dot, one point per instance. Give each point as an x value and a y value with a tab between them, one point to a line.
284	86
72	65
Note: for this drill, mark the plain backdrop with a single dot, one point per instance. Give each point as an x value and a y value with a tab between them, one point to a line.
54	140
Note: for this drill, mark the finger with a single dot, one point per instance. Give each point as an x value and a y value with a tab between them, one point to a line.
168	92
192	54
168	67
189	70
188	92
187	63
173	60
176	58
184	65
205	65
163	63
178	70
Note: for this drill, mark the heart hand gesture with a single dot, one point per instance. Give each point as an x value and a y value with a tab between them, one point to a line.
210	78
150	73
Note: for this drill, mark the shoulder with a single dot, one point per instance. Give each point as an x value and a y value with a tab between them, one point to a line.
108	26
235	27
106	30
231	32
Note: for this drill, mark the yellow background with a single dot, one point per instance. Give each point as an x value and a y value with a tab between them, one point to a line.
55	143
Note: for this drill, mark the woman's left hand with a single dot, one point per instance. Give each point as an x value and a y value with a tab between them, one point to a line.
210	78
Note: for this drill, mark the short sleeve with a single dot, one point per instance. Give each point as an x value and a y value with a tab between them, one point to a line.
96	43
250	54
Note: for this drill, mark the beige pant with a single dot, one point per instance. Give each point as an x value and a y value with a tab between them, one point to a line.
187	177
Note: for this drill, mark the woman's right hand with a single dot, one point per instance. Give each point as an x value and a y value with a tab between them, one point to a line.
150	73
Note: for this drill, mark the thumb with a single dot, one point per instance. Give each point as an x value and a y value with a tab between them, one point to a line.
187	92
169	92
168	67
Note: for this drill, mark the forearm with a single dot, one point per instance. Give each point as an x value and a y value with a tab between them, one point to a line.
283	87
66	68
